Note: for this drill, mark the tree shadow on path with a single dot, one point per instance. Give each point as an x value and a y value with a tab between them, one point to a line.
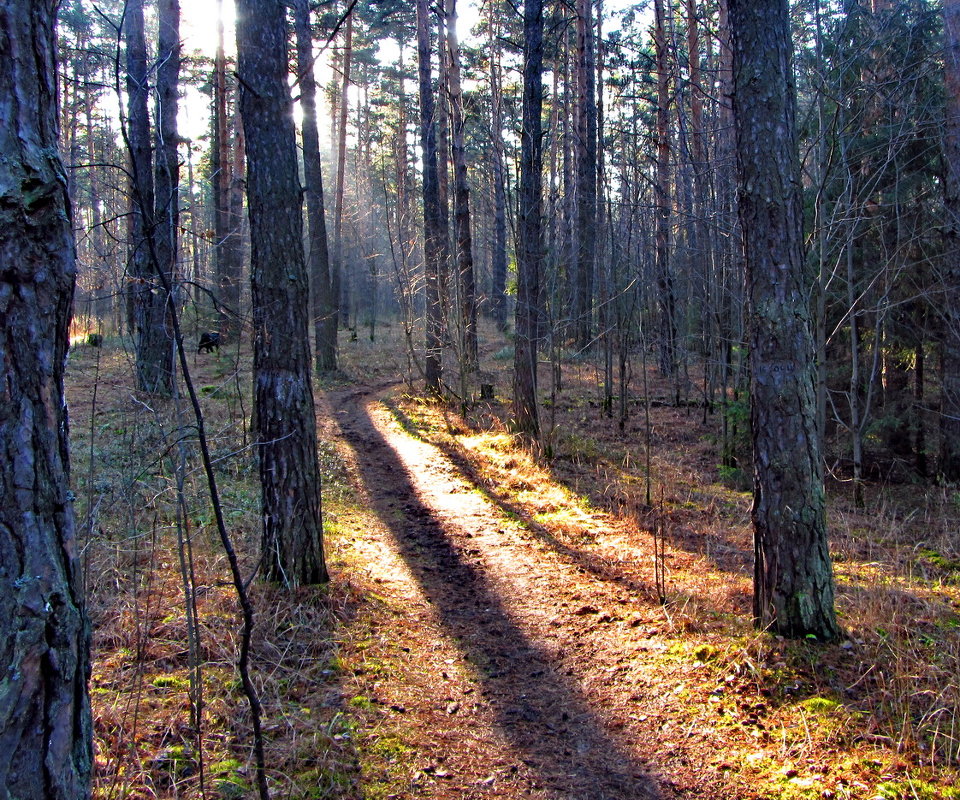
541	712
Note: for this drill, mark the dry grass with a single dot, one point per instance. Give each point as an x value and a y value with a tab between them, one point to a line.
877	716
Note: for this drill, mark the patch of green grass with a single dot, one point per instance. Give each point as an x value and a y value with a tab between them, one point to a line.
820	705
362	702
174	682
914	789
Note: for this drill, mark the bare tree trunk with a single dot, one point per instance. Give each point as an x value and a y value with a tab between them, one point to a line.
465	270
529	235
166	198
324	320
498	257
667	300
228	247
292	542
950	390
342	304
434	239
149	298
586	253
793	580
45	727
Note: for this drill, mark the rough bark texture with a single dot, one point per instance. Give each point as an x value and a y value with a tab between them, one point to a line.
530	223
285	424
950	410
324	319
793	581
45	729
433	236
339	284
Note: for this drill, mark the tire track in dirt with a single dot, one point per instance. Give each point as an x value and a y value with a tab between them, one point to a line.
476	588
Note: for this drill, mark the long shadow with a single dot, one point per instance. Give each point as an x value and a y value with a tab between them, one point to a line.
542	713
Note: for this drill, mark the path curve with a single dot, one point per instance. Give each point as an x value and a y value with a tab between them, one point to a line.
510	669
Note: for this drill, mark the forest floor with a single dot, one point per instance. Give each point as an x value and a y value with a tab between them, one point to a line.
499	625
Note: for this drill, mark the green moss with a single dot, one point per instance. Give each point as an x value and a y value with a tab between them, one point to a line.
911	789
174	682
820	705
361	702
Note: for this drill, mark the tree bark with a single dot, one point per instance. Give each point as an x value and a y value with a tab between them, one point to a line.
529	234
498	256
433	230
324	319
342	302
45	727
950	388
667	300
166	197
149	298
461	206
793	580
586	191
292	546
228	249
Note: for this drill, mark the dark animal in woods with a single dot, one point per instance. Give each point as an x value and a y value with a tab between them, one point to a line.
209	342
94	340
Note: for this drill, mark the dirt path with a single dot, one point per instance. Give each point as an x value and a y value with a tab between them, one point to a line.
517	673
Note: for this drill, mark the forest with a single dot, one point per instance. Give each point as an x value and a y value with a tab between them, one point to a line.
556	399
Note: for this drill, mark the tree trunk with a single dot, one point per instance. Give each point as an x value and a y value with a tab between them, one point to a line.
950	390
529	234
166	197
324	320
45	728
227	245
433	231
586	191
292	546
342	303
149	298
793	581
667	300
498	256
465	270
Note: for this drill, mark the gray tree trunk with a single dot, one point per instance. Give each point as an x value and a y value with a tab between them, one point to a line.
529	234
793	580
292	542
45	728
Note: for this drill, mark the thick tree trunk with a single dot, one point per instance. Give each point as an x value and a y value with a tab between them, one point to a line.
324	320
793	580
45	727
950	389
529	234
433	232
292	546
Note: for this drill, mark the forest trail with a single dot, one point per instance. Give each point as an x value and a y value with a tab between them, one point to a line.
518	676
